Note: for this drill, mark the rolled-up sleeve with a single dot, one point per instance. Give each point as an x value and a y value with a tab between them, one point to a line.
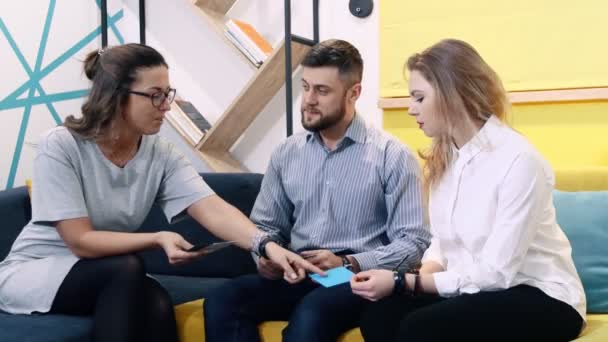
273	210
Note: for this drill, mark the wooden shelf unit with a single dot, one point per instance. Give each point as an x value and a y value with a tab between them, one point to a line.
215	146
218	6
221	161
252	99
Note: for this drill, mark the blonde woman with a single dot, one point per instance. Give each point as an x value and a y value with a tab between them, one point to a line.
499	266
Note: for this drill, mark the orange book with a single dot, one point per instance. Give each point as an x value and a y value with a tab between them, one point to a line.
255	37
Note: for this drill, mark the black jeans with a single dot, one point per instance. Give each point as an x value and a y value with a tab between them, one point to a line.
233	311
126	304
521	313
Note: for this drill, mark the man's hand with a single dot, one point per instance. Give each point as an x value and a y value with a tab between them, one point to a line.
322	258
269	269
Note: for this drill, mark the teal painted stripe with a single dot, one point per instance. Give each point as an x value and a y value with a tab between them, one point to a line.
45	99
17	153
13	45
28	108
40	55
41	49
45	35
112	26
61	59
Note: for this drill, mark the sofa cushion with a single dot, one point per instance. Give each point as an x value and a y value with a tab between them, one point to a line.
584	218
15	213
185	289
45	328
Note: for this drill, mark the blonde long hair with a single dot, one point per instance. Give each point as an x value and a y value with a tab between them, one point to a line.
467	91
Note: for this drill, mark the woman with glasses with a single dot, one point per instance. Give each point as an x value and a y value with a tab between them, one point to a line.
95	180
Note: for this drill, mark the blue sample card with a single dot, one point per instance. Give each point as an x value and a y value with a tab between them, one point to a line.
335	276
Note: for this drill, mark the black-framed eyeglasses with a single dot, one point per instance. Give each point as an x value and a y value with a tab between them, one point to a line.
157	98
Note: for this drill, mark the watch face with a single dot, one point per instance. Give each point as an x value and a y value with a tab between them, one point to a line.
346	263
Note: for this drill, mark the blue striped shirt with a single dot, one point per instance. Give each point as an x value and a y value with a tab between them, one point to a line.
364	196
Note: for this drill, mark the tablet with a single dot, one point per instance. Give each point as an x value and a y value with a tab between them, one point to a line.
210	248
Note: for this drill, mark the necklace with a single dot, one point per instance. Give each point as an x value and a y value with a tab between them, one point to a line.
119	157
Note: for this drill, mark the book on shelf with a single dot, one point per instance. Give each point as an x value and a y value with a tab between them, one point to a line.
249	41
188	121
255	61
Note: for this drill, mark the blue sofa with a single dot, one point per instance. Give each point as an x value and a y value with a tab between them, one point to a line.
184	283
582	215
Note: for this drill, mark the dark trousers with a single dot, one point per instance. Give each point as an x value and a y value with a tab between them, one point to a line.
521	313
233	311
126	305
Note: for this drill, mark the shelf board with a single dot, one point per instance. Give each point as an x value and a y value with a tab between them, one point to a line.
536	96
219	6
183	124
252	99
222	161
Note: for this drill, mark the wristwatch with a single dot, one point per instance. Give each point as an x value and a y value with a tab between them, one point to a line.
261	250
346	263
399	279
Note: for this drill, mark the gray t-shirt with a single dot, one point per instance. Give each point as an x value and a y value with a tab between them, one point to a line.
72	179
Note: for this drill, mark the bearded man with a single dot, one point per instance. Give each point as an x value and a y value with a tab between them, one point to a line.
341	194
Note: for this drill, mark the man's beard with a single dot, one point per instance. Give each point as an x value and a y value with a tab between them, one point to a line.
325	121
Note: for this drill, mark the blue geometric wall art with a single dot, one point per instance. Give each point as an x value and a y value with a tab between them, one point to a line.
30	92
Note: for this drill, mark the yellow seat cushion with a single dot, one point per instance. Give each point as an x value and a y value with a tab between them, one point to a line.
581	178
28	184
596	330
191	328
271	332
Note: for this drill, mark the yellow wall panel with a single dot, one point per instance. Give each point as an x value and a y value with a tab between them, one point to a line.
533	45
567	134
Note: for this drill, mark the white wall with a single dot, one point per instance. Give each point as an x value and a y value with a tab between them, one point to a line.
211	74
203	68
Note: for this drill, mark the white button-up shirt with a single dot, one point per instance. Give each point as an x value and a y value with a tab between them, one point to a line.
493	221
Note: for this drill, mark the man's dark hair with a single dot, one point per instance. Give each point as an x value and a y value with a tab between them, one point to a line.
337	53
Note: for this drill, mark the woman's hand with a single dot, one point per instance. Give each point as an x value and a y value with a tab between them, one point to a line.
431	267
269	269
294	266
373	284
176	248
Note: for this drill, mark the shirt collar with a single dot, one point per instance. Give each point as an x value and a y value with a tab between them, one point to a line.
487	137
356	131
